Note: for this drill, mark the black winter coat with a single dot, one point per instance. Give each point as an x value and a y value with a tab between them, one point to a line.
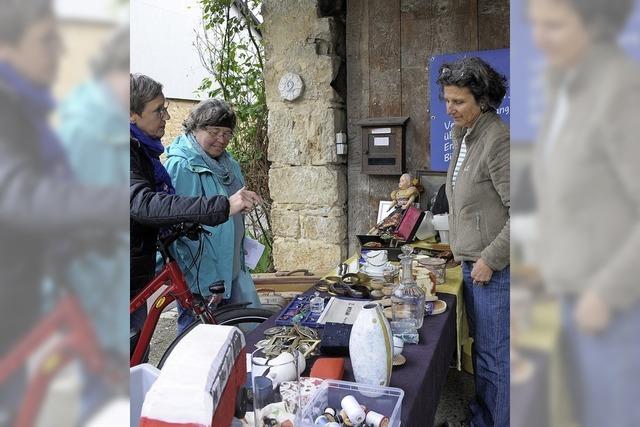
150	210
39	215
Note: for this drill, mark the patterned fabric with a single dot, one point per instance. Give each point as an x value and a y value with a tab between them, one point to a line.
461	156
223	366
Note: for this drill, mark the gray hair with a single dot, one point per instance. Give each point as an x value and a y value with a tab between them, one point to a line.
142	89
18	15
210	112
604	20
114	55
487	85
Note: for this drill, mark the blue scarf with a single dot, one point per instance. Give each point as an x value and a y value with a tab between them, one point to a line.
222	167
38	104
153	148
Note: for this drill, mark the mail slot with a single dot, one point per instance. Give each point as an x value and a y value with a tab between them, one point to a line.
383	141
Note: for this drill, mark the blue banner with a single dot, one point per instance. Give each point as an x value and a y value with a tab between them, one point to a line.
441	123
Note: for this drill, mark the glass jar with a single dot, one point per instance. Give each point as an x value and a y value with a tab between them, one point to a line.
407	300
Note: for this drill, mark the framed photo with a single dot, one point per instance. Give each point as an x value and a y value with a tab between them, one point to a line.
384	209
431	181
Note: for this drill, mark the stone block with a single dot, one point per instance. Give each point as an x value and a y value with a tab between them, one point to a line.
304	135
285	223
316	256
313	185
327	229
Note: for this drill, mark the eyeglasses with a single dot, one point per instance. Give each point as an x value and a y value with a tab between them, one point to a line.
161	112
219	132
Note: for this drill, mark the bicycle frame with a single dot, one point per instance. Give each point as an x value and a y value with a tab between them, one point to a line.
78	342
177	289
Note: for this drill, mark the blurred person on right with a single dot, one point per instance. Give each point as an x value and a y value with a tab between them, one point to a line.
588	196
153	202
477	188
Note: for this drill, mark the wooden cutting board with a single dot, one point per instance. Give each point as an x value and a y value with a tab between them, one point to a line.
283	282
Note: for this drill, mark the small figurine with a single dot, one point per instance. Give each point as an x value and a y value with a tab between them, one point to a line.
406	193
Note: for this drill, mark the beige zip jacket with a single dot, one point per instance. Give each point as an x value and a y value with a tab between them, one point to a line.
479	204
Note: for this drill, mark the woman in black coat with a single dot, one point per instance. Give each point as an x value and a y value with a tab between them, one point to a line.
153	203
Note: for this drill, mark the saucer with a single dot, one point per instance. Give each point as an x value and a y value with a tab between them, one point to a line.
372	272
439	306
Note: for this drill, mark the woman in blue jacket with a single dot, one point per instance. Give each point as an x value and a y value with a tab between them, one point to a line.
199	165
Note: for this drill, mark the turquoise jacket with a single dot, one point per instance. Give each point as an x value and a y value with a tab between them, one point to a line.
97	145
191	176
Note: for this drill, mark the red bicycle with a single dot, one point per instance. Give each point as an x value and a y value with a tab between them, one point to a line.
67	335
176	289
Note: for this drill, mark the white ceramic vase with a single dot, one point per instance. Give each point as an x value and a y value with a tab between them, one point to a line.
371	347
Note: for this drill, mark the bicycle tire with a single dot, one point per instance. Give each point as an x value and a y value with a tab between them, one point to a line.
228	318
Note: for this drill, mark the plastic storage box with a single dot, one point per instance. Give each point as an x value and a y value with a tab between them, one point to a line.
141	379
384	400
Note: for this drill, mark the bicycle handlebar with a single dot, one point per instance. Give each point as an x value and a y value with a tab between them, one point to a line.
190	230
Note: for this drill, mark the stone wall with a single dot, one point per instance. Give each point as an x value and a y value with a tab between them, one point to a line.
307	180
178	110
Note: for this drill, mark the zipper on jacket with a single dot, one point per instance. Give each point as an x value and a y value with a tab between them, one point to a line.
477	222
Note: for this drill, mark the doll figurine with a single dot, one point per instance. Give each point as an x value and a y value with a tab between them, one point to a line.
406	193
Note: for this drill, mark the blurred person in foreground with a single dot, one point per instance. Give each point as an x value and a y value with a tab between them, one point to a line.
93	131
42	210
153	199
94	134
588	193
477	188
200	165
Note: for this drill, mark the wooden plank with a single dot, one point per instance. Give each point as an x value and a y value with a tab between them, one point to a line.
451	26
493	24
385	97
357	32
415	105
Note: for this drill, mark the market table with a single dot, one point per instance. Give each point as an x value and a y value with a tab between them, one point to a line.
425	372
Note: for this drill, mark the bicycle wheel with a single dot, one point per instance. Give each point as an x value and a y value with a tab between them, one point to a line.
243	318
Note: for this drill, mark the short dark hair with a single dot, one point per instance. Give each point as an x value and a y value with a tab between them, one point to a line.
142	89
18	15
114	55
487	85
604	20
210	112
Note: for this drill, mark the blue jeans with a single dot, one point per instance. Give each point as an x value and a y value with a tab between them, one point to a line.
487	309
136	322
602	369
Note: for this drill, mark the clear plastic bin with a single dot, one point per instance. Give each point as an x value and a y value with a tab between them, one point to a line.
141	378
384	400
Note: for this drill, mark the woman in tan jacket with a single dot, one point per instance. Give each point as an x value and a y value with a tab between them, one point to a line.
478	193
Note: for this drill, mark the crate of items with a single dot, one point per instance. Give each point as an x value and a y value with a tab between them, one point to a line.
378	406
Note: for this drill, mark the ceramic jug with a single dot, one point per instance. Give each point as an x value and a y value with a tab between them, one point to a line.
371	347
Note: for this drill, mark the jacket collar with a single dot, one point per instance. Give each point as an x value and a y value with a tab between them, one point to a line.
477	129
181	147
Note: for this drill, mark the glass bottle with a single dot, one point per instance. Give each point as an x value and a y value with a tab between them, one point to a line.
407	300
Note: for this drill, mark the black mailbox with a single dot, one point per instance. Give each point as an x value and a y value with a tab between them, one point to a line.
383	145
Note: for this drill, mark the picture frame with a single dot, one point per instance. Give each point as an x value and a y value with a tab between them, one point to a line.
431	182
384	209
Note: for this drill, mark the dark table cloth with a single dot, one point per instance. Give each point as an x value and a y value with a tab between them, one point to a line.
530	399
425	372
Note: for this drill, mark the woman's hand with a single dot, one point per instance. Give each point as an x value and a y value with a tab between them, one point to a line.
243	201
592	313
481	272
